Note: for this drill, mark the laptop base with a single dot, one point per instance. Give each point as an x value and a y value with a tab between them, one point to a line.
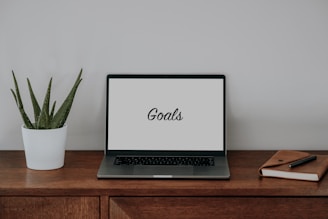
109	170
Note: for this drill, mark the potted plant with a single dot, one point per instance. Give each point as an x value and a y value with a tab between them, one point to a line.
45	138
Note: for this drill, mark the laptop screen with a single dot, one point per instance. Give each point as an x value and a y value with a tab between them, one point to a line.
166	112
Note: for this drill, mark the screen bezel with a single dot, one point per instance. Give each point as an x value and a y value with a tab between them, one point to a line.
166	76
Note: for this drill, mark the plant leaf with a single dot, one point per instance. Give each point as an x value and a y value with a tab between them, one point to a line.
14	94
27	122
61	116
44	119
52	111
36	106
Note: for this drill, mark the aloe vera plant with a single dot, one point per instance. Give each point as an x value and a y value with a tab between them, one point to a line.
44	116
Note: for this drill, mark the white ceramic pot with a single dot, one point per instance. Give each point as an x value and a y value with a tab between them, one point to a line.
44	148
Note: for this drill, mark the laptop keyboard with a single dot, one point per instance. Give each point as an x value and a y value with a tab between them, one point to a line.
172	161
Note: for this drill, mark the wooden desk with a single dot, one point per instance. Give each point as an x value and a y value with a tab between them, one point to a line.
75	192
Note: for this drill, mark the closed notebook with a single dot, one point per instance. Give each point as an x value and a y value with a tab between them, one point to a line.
278	166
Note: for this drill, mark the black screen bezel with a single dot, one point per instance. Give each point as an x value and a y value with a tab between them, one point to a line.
167	76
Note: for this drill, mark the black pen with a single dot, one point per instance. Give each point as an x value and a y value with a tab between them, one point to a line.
302	161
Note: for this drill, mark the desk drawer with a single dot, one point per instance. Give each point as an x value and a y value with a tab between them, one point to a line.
49	207
217	207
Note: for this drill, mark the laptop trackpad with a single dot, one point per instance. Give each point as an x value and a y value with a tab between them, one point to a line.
163	170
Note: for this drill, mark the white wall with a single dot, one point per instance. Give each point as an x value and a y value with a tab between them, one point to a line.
274	53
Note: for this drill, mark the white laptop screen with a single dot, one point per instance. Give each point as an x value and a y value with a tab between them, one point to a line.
174	113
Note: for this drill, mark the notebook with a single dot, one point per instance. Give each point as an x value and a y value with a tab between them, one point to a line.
298	165
165	126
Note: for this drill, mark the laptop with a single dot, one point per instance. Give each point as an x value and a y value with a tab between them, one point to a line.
165	126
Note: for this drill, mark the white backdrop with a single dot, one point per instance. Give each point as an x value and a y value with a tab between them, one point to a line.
274	54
